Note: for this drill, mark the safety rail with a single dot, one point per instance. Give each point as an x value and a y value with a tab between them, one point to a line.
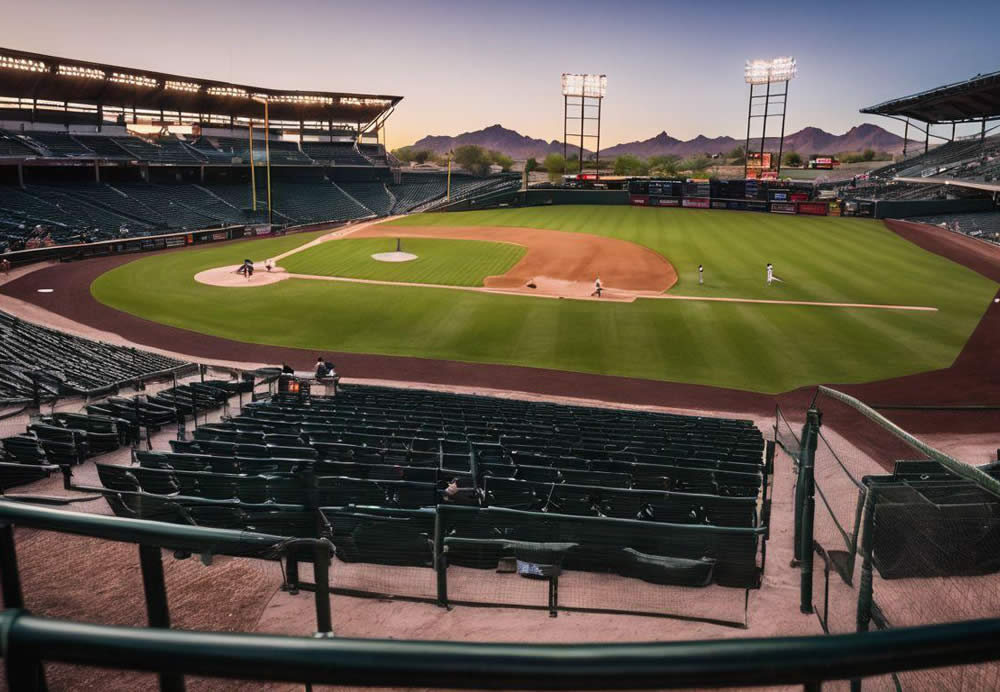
151	537
27	640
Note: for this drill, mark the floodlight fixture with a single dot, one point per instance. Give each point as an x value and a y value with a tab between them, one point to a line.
9	62
770	71
589	85
133	79
80	72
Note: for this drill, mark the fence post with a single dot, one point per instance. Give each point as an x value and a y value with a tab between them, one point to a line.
155	588
440	559
799	495
321	577
13	596
866	587
806	491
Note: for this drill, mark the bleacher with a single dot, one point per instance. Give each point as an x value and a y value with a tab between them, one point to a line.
282	152
373	195
59	143
311	202
12	146
963	159
68	364
984	225
667	499
335	153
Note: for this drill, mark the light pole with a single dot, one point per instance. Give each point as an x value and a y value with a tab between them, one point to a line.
767	72
585	87
267	157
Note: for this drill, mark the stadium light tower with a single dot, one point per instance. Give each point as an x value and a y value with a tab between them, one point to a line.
585	91
764	73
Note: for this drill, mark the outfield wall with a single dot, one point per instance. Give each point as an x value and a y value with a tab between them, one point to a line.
897	209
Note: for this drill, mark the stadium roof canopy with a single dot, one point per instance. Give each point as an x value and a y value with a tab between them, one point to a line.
973	100
46	77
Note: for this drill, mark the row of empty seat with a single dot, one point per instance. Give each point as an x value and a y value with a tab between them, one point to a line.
171	149
82	212
63	364
370	453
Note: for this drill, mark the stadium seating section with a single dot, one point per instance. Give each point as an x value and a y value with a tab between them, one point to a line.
964	159
652	496
63	364
54	211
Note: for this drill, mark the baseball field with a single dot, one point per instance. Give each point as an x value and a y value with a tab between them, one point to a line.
856	302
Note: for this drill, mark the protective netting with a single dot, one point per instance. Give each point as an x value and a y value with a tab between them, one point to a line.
935	550
905	535
850	447
382	551
474	556
786	435
498	556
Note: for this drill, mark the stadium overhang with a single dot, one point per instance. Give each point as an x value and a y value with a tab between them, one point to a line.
974	100
36	77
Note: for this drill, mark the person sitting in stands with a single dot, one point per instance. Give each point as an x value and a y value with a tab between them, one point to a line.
286	369
331	371
320	368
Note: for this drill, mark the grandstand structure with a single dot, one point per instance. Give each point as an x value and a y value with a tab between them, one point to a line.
960	176
93	152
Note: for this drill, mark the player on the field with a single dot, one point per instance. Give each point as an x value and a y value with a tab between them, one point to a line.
770	273
597	287
701	274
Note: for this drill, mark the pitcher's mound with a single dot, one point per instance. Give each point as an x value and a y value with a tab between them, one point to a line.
393	256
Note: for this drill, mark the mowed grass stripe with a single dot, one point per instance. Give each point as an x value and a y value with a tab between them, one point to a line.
822	259
759	347
439	261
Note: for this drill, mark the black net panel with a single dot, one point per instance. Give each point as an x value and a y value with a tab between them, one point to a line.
850	447
935	549
382	551
786	434
510	557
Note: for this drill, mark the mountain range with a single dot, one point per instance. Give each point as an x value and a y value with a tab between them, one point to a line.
809	140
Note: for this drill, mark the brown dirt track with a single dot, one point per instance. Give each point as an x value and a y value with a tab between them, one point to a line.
974	377
560	255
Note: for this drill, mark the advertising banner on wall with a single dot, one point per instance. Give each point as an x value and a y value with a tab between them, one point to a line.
668	202
813	208
640	200
783	208
697	202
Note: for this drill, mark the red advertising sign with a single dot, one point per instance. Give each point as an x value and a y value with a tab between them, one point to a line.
799	197
638	199
698	202
814	208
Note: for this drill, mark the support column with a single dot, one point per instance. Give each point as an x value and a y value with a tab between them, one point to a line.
597	169
906	136
927	138
583	104
746	145
781	142
763	128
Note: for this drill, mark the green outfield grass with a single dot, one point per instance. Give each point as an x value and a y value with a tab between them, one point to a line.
446	262
766	348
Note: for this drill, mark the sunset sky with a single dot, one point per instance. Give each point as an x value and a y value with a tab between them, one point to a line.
674	66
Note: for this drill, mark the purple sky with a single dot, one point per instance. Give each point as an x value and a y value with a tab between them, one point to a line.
465	65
